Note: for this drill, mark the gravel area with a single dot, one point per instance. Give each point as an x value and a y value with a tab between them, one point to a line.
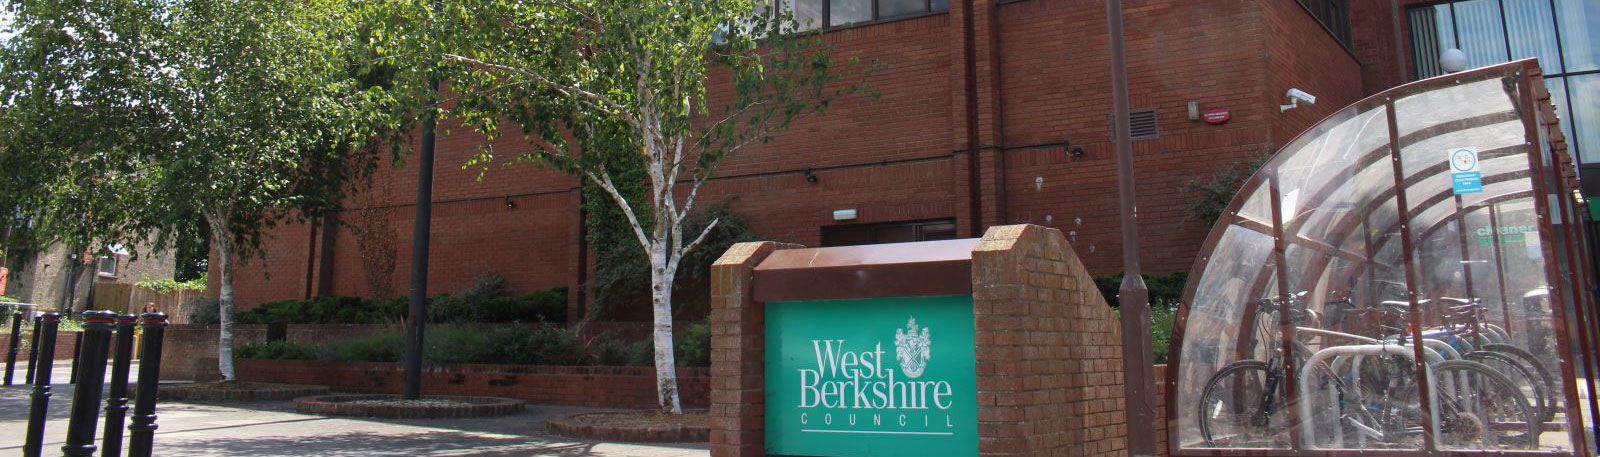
640	419
425	402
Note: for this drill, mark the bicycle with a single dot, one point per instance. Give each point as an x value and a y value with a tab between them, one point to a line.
1245	403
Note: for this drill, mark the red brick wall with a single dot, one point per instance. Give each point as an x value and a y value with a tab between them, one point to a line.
1305	61
63	349
967	118
611	387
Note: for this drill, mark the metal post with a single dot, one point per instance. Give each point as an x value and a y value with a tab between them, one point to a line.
33	348
117	395
46	332
85	416
1133	298
16	340
141	434
419	253
77	350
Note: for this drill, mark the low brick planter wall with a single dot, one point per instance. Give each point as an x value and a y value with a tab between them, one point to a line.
609	387
572	426
344	405
63	350
265	392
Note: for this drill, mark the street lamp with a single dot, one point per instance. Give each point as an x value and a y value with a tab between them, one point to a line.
1453	60
1133	297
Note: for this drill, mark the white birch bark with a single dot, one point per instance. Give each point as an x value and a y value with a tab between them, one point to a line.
224	244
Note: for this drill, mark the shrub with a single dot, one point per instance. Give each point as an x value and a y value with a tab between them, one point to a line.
376	347
328	309
203	310
546	344
460	344
607	351
277	350
1164	289
694	345
1166	293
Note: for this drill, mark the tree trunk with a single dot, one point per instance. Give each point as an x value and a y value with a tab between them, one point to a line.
224	244
69	290
661	275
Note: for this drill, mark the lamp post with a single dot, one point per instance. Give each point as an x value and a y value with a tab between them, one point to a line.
1133	297
419	249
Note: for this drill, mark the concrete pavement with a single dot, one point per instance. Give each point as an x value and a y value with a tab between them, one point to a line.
270	429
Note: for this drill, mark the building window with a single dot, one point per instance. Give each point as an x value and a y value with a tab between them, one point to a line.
1563	34
1333	14
888	232
840	13
108	265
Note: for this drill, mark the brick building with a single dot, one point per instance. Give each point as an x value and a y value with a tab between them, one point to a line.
991	112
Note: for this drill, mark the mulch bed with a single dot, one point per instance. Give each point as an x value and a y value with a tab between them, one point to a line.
395	407
237	391
634	426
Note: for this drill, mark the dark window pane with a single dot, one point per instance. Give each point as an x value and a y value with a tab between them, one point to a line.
1480	33
1530	25
807	12
843	12
892	8
1580	33
941	5
1432	32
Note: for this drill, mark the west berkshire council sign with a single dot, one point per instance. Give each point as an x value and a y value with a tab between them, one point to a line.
872	377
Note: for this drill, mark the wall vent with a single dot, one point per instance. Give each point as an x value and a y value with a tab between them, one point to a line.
1142	124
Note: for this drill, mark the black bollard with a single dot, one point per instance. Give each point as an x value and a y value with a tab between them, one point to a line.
77	352
141	435
117	395
85	417
46	332
33	349
16	340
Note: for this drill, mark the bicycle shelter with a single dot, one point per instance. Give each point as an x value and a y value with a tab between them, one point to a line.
1444	211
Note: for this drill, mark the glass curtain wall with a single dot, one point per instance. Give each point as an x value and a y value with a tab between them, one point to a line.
1563	34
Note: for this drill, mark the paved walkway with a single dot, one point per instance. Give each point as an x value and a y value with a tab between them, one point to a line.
271	429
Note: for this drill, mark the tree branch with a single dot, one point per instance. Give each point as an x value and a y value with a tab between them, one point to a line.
604	180
593	100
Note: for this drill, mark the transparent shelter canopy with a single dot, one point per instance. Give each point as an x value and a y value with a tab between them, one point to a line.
1395	280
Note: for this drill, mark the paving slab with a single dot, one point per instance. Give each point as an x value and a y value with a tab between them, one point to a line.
271	429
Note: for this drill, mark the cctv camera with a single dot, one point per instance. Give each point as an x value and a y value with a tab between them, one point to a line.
1300	95
1295	97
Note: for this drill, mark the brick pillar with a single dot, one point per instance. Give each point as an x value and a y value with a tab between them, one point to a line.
1049	350
738	414
976	126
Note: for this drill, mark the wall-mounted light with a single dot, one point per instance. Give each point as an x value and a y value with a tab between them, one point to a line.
844	214
1075	151
810	177
510	203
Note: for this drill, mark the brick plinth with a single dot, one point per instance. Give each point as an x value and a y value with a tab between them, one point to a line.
737	341
1049	352
1049	357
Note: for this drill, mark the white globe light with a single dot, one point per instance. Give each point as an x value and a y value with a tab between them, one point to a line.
1453	60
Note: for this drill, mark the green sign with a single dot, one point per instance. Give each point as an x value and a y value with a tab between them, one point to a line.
877	377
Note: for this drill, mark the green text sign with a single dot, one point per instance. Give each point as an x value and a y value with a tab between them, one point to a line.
877	377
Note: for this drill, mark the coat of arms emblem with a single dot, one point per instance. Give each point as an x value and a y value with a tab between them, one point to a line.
912	349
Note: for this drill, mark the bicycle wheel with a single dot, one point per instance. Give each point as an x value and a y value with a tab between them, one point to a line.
1522	377
1552	396
1237	410
1481	409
